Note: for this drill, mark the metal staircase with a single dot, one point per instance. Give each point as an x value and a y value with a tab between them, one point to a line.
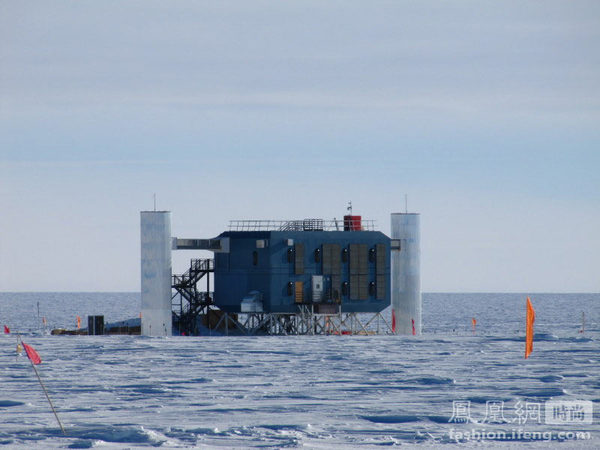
186	287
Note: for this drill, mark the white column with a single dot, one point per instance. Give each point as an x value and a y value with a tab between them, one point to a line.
406	273
155	233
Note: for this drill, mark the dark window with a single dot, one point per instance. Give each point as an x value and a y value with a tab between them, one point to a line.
254	258
345	255
290	288
381	259
318	255
290	255
380	265
372	288
335	295
381	280
345	288
299	259
331	259
359	272
371	255
336	283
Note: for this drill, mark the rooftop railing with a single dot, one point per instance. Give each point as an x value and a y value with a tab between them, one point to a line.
300	225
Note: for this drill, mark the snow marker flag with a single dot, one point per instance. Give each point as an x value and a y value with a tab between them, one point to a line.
78	322
529	332
32	354
413	327
393	321
474	323
6	330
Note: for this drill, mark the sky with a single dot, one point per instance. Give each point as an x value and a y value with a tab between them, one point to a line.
485	114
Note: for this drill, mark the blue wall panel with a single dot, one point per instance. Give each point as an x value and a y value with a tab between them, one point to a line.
236	274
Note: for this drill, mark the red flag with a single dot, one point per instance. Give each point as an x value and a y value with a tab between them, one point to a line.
529	332
32	354
6	330
393	321
413	327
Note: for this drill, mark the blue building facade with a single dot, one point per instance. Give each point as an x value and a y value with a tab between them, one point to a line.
329	270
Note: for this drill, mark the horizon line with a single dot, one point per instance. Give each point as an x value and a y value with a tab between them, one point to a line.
423	292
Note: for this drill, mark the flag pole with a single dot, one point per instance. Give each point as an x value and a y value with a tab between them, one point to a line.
17	349
47	396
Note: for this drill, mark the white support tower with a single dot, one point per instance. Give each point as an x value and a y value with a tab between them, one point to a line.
406	273
155	234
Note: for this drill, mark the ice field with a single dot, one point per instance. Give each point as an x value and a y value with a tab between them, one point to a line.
302	391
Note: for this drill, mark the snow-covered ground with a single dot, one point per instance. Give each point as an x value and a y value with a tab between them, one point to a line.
317	392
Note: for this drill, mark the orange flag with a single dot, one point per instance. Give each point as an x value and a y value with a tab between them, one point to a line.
32	354
529	331
474	323
78	322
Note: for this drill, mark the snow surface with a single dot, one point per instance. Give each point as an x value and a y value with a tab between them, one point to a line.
298	391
